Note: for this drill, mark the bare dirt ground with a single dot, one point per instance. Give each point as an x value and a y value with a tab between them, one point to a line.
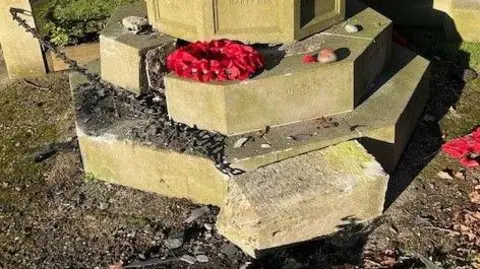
54	216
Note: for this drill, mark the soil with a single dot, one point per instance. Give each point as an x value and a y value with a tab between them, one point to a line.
52	215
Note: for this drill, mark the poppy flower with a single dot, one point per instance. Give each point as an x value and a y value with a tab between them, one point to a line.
215	60
309	59
466	149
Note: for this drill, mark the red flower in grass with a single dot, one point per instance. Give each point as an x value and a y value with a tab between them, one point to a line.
466	149
216	60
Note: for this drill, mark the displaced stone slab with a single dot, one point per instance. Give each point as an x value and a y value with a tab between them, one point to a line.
22	53
123	52
244	20
289	91
303	198
387	119
147	168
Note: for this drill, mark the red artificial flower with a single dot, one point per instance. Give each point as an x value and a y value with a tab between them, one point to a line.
456	148
466	149
216	60
307	58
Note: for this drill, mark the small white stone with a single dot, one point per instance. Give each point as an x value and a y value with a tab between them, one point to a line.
202	258
266	146
350	28
327	56
188	259
135	23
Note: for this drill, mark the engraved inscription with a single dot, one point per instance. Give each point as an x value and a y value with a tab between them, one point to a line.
249	2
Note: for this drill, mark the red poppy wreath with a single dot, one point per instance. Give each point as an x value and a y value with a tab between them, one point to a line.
218	60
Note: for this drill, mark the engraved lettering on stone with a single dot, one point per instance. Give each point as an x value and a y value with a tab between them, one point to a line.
249	2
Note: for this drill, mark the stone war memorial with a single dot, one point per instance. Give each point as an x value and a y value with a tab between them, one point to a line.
288	115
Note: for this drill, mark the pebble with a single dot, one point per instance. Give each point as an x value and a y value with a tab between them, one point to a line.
444	175
327	56
350	28
208	226
175	241
266	146
188	259
197	213
202	258
135	23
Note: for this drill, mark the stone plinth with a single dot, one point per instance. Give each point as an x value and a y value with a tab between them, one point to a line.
289	90
303	198
250	21
22	52
144	167
123	53
383	124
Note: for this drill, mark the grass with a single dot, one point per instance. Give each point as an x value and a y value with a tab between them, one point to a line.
68	22
30	118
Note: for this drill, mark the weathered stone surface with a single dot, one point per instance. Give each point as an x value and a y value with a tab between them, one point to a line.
288	91
459	18
123	52
22	53
384	122
462	20
388	117
151	169
250	21
303	198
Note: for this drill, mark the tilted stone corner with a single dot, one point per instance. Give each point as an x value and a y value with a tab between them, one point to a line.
250	21
123	53
288	91
302	198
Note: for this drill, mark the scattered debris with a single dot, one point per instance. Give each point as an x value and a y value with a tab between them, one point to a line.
150	262
428	263
29	83
300	137
188	259
475	195
241	142
197	213
202	258
175	241
444	175
44	153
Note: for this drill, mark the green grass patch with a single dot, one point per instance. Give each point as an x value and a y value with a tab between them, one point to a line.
67	22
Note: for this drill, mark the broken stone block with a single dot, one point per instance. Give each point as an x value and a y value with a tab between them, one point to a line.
125	162
289	90
244	20
123	52
388	117
22	52
303	198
